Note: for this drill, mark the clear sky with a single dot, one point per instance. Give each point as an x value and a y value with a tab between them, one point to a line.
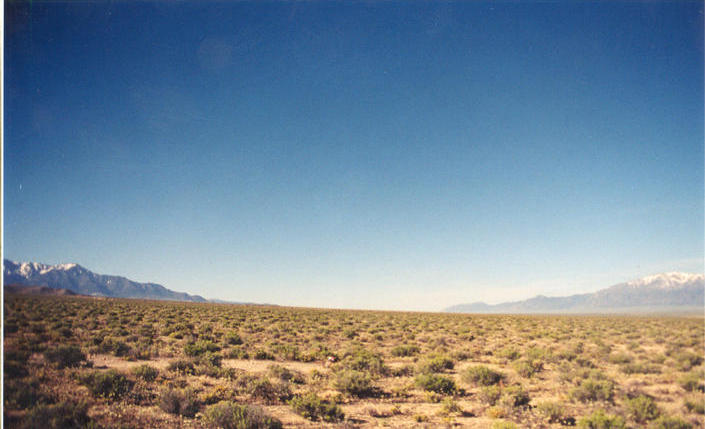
389	155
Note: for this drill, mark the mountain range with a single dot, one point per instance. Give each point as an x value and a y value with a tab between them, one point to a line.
79	280
666	292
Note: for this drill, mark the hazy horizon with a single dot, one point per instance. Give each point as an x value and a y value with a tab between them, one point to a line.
392	155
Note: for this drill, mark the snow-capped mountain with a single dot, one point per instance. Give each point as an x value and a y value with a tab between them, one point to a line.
667	289
670	292
82	281
666	280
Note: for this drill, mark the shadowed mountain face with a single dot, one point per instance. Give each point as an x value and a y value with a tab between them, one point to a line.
36	290
82	281
668	292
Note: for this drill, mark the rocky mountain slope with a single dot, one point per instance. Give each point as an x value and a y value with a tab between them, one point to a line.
85	282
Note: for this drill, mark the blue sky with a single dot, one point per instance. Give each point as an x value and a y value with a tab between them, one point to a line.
389	155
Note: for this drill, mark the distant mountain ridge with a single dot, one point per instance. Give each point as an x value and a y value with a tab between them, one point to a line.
85	282
669	292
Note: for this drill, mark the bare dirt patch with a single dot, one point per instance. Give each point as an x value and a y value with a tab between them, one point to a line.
261	366
102	361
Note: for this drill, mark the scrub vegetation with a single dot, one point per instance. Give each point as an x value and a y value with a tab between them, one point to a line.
100	363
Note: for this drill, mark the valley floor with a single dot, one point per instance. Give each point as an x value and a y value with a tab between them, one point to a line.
77	361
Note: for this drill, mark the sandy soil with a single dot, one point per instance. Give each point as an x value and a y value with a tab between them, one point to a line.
101	361
262	365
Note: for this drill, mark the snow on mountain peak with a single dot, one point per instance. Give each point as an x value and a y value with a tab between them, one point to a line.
667	280
65	267
28	268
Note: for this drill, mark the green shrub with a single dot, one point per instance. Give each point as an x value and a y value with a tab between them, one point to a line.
233	338
509	353
63	415
361	359
356	383
140	351
200	347
22	394
65	356
436	364
402	371
209	364
496	412
217	394
641	408
146	372
109	384
449	406
695	405
687	360
262	354
181	366
567	355
553	412
600	420
209	359
490	394
515	396
286	374
114	346
262	388
591	390
405	350
527	368
665	422
691	382
538	353
312	407
179	401
482	376
436	383
289	352
237	353
229	415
